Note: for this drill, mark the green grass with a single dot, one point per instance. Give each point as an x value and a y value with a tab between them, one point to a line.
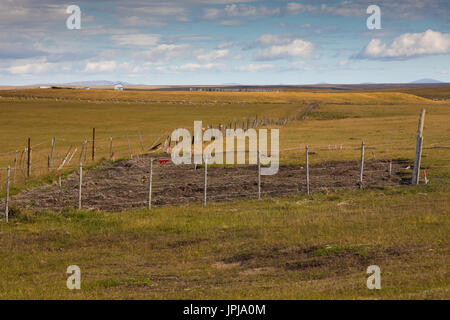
297	247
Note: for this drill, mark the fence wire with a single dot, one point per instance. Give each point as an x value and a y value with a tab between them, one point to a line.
102	189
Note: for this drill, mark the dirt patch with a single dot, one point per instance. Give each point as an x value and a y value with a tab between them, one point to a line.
124	184
256	271
320	260
184	243
222	265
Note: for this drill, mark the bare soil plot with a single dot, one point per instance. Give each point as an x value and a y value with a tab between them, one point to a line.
124	184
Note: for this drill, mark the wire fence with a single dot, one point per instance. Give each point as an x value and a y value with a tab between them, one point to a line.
118	185
136	183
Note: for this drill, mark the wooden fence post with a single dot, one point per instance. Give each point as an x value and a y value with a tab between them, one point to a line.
29	158
390	167
361	172
82	151
415	173
80	183
71	156
7	193
22	161
86	150
15	168
53	149
93	144
307	169
259	174
129	147
419	156
150	181
205	181
142	143
110	147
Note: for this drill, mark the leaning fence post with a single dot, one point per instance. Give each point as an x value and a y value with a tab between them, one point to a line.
129	148
110	147
150	180
15	168
23	156
7	193
259	174
142	143
419	160
29	158
86	150
80	182
53	149
390	167
415	173
93	144
82	150
361	166
307	169
205	181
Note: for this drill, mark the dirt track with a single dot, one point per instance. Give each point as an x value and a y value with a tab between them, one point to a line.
124	185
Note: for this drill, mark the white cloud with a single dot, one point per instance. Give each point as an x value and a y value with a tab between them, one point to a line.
300	65
35	67
101	66
225	45
156	14
234	14
266	40
408	45
242	10
254	67
295	8
213	55
137	39
296	48
211	13
345	9
189	67
137	21
163	53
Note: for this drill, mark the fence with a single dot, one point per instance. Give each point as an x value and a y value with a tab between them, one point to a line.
141	183
37	159
148	180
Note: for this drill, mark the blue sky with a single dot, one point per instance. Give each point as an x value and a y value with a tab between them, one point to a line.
221	41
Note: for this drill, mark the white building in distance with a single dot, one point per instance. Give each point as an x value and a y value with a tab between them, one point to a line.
118	87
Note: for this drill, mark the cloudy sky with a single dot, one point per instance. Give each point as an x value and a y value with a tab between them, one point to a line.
221	41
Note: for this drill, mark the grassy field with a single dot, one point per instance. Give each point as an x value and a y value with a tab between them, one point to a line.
288	248
296	247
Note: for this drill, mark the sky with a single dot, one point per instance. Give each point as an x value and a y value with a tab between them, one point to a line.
182	42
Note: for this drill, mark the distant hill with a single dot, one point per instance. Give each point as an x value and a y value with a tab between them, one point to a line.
92	83
426	80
